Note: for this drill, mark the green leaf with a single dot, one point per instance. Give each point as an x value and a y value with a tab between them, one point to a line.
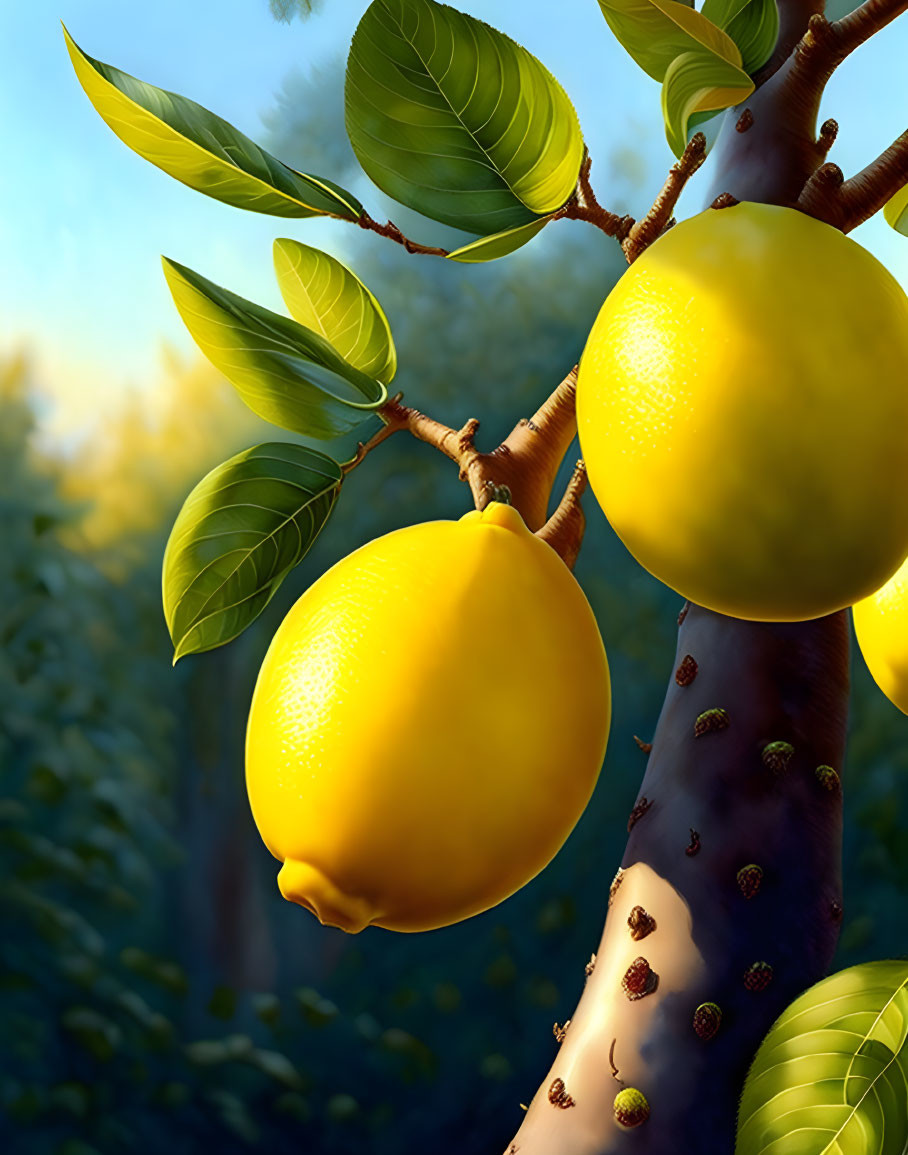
456	121
498	244
238	535
896	211
284	372
698	82
324	295
832	1074
200	149
655	32
752	24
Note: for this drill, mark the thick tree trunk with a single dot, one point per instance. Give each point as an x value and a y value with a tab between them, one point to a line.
711	803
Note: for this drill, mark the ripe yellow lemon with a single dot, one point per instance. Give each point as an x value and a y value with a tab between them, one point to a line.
428	724
743	414
881	626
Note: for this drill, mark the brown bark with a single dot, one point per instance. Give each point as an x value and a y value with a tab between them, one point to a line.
714	804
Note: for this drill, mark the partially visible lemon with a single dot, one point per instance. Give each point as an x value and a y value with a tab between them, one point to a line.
881	626
743	414
428	724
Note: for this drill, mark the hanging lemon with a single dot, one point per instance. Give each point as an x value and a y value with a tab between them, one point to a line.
428	724
881	626
743	414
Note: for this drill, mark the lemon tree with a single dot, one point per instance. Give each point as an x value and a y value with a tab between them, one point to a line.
432	714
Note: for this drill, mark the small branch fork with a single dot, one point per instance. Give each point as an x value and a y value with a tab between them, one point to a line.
525	463
799	83
634	236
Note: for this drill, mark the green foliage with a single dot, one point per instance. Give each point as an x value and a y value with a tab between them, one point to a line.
327	297
498	244
896	211
752	24
655	32
200	149
703	59
456	121
240	532
832	1073
286	373
698	82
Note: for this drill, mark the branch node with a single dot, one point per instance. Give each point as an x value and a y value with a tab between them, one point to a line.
829	130
745	121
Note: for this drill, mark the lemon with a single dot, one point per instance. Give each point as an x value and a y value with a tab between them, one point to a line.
743	414
428	724
881	626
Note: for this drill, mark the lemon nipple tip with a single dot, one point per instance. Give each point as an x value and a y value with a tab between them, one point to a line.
308	886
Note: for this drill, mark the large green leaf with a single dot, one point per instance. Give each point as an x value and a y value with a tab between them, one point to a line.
655	32
200	149
324	295
498	244
831	1077
752	24
455	120
698	82
240	532
896	211
284	372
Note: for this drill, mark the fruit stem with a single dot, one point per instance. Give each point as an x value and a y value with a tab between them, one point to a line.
526	462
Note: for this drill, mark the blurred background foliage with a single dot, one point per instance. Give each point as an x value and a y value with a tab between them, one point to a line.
155	990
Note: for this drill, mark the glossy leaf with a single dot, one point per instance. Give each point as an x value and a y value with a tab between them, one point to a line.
238	535
698	82
325	296
896	211
498	244
200	149
284	372
456	120
752	24
655	32
831	1077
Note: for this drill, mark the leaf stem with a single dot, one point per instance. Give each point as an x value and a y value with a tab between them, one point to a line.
393	233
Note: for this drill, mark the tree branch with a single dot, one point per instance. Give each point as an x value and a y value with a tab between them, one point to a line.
526	463
646	230
583	206
845	204
826	44
565	528
393	233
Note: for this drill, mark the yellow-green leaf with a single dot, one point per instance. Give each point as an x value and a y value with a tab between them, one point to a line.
896	211
200	149
498	244
831	1077
456	120
656	32
240	532
284	372
699	82
326	296
752	24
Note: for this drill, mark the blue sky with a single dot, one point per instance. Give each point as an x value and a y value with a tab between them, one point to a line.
83	221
